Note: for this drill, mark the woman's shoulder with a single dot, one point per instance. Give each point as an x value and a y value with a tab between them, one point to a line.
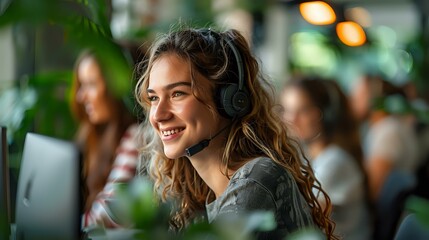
131	133
132	129
129	138
262	170
335	154
274	181
335	159
254	166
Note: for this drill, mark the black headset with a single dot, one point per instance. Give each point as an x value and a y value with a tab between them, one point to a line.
233	99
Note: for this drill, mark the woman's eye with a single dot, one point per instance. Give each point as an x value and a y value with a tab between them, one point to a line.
178	94
152	98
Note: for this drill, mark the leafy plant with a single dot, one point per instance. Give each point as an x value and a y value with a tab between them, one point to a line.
136	207
83	24
419	206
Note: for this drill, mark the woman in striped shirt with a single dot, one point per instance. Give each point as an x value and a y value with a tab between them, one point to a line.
106	136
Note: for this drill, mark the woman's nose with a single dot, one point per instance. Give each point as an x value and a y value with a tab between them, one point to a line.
162	111
80	95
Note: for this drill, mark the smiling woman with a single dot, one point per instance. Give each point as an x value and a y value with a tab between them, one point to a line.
175	113
220	147
106	136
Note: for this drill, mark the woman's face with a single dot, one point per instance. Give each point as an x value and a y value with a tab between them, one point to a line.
175	113
92	93
360	98
301	113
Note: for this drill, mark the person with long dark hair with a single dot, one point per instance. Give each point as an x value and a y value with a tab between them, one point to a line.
318	114
106	135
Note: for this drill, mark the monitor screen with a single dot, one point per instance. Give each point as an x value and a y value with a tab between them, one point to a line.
48	203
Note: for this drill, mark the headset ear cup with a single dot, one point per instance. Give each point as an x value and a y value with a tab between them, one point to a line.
240	102
233	102
226	102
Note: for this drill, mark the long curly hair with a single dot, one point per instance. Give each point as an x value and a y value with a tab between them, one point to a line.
258	133
98	142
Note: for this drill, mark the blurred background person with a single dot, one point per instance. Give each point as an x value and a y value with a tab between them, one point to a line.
107	136
390	148
419	105
389	140
320	117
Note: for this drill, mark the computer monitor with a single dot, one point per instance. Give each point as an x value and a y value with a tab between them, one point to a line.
48	203
4	186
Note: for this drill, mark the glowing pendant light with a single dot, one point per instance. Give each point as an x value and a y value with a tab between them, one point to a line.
317	12
351	33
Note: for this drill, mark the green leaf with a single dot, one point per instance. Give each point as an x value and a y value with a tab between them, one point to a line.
306	234
37	12
51	78
99	14
420	207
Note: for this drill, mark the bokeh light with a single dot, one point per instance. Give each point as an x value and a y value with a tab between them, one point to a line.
351	33
317	12
309	52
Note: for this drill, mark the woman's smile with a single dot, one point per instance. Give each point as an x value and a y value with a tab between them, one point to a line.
170	134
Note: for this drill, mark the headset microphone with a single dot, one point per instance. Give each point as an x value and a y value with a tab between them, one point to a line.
192	150
197	147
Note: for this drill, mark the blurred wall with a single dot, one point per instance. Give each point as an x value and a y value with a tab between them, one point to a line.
7	59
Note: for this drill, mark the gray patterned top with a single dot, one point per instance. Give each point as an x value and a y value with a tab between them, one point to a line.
261	184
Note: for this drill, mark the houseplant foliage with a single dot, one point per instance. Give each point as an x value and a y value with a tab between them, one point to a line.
39	100
137	207
82	24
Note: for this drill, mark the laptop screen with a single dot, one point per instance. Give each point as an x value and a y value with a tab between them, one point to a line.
48	204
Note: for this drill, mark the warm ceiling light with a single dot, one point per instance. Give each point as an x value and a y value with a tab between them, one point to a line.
317	12
351	33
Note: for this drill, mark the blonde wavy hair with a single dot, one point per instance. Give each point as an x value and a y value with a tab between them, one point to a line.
259	133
